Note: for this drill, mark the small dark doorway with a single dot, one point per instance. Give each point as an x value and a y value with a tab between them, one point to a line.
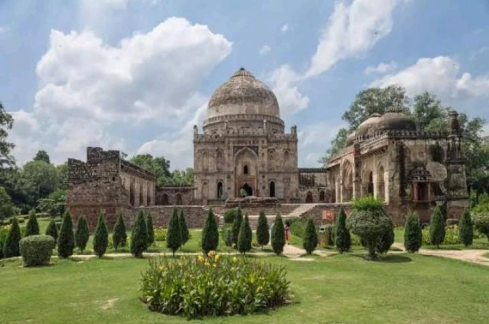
245	169
272	189
219	190
178	199
370	186
309	198
321	195
248	189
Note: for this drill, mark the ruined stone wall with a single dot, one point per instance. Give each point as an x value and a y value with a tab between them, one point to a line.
175	196
194	215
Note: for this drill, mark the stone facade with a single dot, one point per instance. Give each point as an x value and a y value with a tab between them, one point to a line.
177	196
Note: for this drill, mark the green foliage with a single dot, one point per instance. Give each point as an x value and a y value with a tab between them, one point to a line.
210	233
82	233
230	215
100	237
245	236
310	241
337	144
413	235
139	236
298	226
367	203
32	227
437	228
3	236
160	234
481	222
213	286
151	230
236	226
228	239
452	221
36	250
342	235
385	243
278	235
6	122
6	206
54	204
119	238
161	168
174	235
185	233
11	243
466	228
42	156
66	238
262	232
52	230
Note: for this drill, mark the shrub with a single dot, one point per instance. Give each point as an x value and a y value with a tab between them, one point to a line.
36	250
466	228
262	232
3	236
437	228
11	243
413	235
298	226
481	223
210	233
278	235
451	221
245	236
32	227
185	233
119	238
329	235
66	238
139	236
174	236
213	286
52	230
342	235
310	241
228	240
100	237
82	233
230	215
160	234
451	235
387	239
237	225
151	230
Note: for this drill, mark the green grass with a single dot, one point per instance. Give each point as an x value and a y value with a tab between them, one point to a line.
345	288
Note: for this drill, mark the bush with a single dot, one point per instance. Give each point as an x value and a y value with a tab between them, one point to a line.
160	234
151	230
387	239
213	286
236	226
437	228
342	235
452	235
210	233
174	235
262	232
3	236
185	233
66	238
245	236
11	243
413	235
278	235
481	223
329	235
230	215
119	238
36	250
310	241
298	226
52	230
32	227
82	233
100	237
466	229
451	221
139	236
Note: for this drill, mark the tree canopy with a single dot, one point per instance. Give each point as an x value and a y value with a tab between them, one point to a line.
161	168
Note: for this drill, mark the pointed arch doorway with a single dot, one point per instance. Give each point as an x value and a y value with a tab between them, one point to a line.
248	189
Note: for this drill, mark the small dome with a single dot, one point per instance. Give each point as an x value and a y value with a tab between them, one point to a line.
350	139
368	124
395	119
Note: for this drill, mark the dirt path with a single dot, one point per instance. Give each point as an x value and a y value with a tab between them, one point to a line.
294	253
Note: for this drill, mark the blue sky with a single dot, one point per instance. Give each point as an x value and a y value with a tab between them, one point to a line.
135	75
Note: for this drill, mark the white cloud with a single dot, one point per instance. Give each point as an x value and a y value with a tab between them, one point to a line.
265	49
285	28
382	68
4	29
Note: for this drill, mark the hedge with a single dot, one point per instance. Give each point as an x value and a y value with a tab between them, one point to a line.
36	250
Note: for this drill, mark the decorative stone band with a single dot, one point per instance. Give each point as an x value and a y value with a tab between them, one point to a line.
242	117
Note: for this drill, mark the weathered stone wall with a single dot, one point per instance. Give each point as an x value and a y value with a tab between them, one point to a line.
194	215
175	196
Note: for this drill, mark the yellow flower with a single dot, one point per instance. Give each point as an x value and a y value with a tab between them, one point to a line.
212	253
201	258
217	257
214	265
207	264
235	259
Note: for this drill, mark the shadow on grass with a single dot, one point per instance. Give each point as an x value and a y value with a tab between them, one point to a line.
389	258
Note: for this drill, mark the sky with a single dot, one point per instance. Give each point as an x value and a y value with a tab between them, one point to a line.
136	75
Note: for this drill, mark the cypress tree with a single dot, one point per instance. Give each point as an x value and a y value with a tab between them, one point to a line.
466	229
245	236
32	227
262	233
174	235
151	230
11	245
210	233
437	228
184	228
119	238
139	236
66	238
413	235
310	240
237	226
278	235
52	230
100	237
82	233
342	235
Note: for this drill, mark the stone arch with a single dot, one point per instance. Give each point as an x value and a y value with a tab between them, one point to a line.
205	161
132	192
246	170
149	194
219	160
368	182
178	199
164	199
271	187
205	191
309	198
347	182
219	190
286	159
141	195
322	196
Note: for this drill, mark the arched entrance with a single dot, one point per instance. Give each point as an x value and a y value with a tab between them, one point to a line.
309	199
246	172
321	195
247	188
164	199
219	190
272	189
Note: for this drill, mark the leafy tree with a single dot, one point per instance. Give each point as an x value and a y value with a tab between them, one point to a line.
54	204
32	227
437	228
236	226
466	228
139	236
230	215
6	206
481	222
66	238
310	240
6	122
262	233
387	239
82	233
11	244
413	235
151	230
210	233
337	144
63	175
278	235
37	180
161	168
100	237
184	228
342	235
174	235
119	238
52	230
245	236
42	156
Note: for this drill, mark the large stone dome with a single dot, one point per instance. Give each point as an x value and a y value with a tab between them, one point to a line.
395	119
243	94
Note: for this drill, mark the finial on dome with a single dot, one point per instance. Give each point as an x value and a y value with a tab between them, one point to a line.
242	72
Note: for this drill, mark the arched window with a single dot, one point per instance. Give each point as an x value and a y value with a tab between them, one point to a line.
132	192
219	160
370	185
309	199
178	199
272	189
321	195
219	190
148	193
245	169
141	196
205	161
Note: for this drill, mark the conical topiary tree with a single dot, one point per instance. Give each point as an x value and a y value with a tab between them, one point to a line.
100	237
185	234
413	235
82	233
11	245
310	240
173	234
119	238
245	236
278	235
151	230
466	228
342	235
262	233
437	228
387	239
52	230
210	233
237	226
139	236
32	227
66	238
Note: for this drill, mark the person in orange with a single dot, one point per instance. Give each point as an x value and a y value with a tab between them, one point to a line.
287	232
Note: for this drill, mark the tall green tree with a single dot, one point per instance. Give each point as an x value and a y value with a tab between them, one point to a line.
278	235
32	227
262	232
119	238
52	230
437	228
466	228
139	236
310	239
6	206
210	233
342	235
151	230
6	123
174	235
37	180
82	233
100	237
236	226
245	236
413	235
66	238
11	244
185	233
42	156
161	168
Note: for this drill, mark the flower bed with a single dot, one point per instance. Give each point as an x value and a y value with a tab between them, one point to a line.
212	285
